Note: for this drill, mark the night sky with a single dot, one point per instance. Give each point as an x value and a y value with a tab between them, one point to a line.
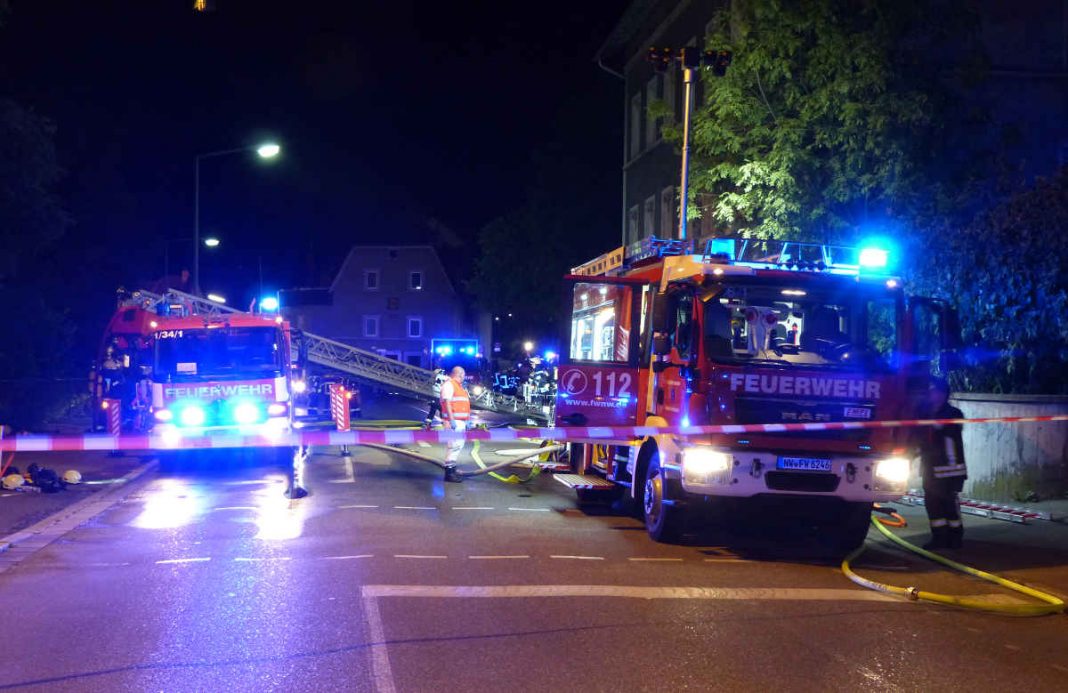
398	120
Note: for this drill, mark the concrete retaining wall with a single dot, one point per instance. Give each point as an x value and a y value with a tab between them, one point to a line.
1010	461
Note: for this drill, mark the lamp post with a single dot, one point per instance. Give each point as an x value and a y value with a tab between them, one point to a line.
267	150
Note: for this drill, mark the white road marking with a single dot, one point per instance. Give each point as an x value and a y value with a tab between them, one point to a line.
357	506
413	507
415	555
202	559
494	558
106	565
472	507
622	591
350	474
516	452
532	510
236	507
241	559
727	559
380	668
422	444
655	560
347	558
249	482
580	558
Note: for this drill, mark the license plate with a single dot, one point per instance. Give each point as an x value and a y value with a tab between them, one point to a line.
804	464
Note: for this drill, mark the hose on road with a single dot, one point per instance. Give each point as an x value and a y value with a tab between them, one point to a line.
1052	605
477	472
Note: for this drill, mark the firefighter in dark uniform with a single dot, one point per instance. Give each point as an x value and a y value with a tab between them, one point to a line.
943	468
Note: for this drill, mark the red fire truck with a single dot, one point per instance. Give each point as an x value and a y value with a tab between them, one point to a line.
175	370
746	332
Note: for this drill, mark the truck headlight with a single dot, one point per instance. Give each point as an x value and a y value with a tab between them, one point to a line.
163	414
299	386
702	465
192	415
246	413
893	470
276	409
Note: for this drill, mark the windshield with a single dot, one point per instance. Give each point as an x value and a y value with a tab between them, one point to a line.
801	326
217	353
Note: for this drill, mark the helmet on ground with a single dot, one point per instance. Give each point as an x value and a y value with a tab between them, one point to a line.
13	481
72	476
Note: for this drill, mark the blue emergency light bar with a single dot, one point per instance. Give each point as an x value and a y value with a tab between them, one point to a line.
455	347
868	259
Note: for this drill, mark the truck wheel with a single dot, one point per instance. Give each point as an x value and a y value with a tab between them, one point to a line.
852	527
663	522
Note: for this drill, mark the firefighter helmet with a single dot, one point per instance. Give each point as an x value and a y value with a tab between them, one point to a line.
13	481
72	476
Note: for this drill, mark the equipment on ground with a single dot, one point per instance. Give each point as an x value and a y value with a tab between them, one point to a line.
737	331
72	476
13	481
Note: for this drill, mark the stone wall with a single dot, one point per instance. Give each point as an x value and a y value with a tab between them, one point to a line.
1008	462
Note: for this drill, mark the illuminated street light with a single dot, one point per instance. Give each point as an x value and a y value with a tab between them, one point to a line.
528	346
267	150
211	242
216	298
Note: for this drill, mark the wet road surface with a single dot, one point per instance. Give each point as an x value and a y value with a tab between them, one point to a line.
385	579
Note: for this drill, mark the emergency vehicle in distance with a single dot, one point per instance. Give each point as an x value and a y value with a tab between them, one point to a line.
185	372
747	332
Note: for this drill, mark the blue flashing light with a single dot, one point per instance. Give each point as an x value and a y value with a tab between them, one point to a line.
550	355
721	246
269	303
874	258
685	421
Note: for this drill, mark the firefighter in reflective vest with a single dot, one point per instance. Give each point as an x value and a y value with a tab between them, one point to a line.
455	411
943	468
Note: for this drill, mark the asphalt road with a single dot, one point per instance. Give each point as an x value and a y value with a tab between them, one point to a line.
385	579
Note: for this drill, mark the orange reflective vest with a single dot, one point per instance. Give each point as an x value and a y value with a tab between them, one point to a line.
460	401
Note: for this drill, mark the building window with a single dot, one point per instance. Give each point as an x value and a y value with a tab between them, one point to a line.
667	211
652	125
415	281
635	125
370	280
415	327
649	217
370	326
632	224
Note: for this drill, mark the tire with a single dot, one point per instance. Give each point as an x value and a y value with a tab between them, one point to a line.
665	523
851	528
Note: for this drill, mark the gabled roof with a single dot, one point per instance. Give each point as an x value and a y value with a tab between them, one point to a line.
349	259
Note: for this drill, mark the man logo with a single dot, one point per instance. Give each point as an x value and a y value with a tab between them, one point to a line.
574	382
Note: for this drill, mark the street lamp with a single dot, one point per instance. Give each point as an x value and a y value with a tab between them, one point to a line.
528	346
210	242
216	298
267	150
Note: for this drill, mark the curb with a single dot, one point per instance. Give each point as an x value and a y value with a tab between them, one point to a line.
29	541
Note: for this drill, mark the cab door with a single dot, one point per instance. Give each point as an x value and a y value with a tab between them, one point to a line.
598	383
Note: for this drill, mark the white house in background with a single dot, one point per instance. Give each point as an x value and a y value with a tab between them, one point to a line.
390	299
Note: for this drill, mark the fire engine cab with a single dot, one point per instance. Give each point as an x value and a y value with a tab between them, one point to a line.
175	371
746	332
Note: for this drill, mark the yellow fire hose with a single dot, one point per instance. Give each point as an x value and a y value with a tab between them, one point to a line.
1052	605
511	479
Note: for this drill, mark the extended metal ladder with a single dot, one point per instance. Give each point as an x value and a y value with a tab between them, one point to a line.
363	364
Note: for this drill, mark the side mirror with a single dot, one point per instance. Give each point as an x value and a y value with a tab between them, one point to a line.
661	344
661	313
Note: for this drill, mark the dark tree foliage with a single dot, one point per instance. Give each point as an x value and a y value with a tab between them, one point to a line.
832	115
524	254
37	334
1006	273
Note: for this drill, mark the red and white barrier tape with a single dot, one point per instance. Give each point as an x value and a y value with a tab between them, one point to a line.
179	440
